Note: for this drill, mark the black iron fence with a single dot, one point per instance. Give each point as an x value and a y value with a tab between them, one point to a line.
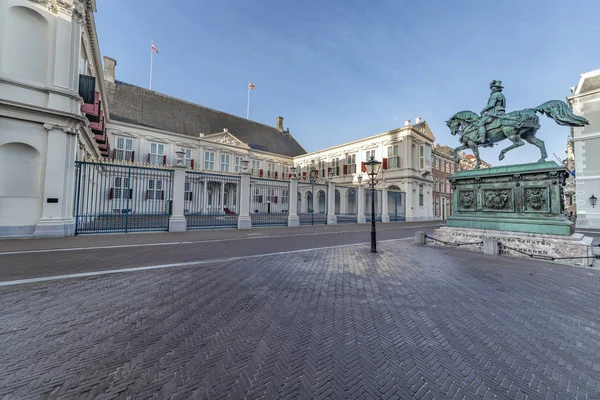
211	200
269	202
397	206
122	198
312	203
346	204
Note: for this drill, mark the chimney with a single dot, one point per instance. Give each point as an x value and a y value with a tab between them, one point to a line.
418	120
109	69
407	122
279	124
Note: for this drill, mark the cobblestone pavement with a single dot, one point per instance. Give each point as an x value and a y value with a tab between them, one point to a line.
408	322
102	252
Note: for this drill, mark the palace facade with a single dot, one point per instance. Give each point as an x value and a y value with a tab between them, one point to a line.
60	108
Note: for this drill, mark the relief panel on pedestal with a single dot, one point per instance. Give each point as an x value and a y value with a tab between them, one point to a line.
536	199
498	200
467	201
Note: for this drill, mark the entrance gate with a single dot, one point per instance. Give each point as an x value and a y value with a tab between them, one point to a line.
122	198
348	204
269	202
312	203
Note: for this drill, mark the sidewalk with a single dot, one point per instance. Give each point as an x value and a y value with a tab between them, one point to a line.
408	322
113	239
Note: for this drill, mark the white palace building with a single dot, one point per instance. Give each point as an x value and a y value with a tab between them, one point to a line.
82	152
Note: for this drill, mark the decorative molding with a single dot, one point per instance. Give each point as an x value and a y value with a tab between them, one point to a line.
227	139
466	199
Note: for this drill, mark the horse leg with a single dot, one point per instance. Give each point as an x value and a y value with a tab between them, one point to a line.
517	142
456	150
476	154
539	143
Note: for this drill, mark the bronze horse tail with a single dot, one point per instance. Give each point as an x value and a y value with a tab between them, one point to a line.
560	113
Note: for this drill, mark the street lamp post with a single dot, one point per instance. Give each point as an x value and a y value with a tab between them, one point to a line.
373	170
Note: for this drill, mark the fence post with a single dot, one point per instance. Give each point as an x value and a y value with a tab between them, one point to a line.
331	218
385	217
360	201
177	222
293	219
244	221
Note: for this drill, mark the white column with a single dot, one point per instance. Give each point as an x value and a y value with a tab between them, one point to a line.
204	196
360	202
384	206
177	221
331	218
293	219
410	204
57	201
244	221
344	201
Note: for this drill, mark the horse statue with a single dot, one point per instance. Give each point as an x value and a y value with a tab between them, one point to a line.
516	126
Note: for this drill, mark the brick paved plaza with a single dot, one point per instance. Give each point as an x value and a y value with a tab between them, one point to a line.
408	322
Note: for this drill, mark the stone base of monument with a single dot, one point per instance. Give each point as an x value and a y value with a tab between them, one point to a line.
555	248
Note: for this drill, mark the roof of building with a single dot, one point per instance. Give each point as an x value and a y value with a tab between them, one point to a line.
136	105
591	83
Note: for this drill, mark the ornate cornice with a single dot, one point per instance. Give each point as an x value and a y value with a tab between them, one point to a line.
76	9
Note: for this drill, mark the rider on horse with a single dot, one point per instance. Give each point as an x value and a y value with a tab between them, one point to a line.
495	108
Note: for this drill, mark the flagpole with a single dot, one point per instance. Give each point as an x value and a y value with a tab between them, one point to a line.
151	51
248	111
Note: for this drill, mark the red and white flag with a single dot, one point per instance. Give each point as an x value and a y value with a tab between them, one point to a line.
154	48
250	86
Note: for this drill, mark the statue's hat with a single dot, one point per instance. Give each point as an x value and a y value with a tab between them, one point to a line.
496	83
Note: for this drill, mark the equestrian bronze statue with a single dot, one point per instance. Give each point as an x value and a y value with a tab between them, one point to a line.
495	125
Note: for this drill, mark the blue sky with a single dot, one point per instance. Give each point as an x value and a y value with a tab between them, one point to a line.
341	70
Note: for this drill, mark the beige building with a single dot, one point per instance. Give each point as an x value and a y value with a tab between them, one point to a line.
585	101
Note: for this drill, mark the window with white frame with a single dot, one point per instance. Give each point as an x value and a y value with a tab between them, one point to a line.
424	156
351	162
225	162
451	168
421	195
155	190
271	195
238	163
285	171
187	158
121	188
124	149
285	196
256	167
209	160
157	153
321	169
270	170
336	166
447	186
436	184
437	163
437	206
393	158
256	197
369	154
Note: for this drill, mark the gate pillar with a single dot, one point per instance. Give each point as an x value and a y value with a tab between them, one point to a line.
360	201
331	218
293	219
244	221
177	221
385	217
